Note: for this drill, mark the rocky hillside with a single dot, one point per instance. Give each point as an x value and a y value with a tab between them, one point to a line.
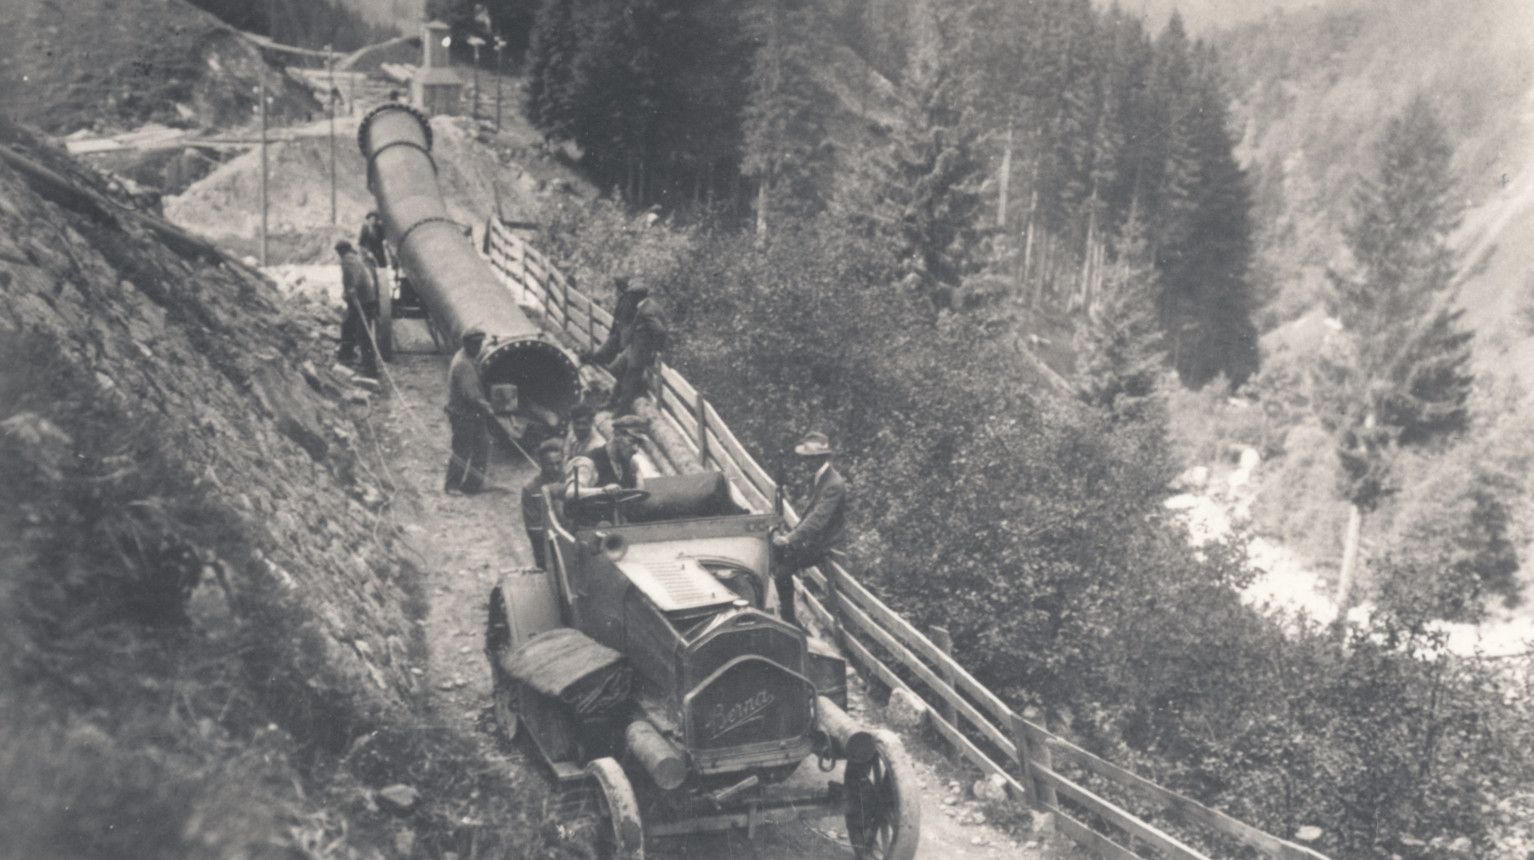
102	65
211	639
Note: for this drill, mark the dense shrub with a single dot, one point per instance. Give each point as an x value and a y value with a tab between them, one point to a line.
1031	526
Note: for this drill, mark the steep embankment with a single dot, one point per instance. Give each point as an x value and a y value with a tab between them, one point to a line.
1314	88
211	641
106	64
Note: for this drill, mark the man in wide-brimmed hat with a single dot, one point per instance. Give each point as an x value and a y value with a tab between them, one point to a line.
821	523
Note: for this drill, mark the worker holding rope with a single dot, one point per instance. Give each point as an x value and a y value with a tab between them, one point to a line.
359	289
468	410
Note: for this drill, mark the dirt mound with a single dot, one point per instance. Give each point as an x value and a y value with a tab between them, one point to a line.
474	177
109	64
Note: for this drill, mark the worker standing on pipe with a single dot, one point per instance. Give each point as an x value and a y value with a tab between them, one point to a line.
467	411
633	344
359	289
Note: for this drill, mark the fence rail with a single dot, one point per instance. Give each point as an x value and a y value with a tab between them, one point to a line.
977	724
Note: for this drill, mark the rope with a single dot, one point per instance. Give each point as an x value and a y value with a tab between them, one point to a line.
399	395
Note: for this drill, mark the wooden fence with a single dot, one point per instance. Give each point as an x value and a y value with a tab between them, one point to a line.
1038	767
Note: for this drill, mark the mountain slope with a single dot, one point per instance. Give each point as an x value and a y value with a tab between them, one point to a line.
1312	90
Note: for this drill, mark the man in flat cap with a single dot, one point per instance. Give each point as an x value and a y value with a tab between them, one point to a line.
467	411
551	468
609	467
821	523
359	289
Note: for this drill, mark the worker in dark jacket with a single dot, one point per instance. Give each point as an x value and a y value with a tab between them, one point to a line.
551	467
633	344
467	411
371	239
359	289
822	522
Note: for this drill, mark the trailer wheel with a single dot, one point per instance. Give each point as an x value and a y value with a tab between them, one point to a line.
883	807
621	834
497	643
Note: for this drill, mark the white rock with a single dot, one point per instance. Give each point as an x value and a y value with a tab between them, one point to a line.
398	798
993	788
905	710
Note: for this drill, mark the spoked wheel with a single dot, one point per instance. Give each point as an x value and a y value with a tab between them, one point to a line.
620	834
497	644
883	807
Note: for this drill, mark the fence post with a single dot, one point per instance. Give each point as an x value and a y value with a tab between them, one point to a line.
702	431
522	267
1034	757
564	299
591	324
944	641
832	573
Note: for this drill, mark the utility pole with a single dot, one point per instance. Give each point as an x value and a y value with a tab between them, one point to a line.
500	44
475	42
261	107
330	98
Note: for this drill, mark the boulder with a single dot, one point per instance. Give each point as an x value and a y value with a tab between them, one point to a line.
992	788
905	710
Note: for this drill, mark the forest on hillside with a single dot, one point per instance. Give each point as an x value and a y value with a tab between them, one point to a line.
1446	515
1004	254
312	24
1026	143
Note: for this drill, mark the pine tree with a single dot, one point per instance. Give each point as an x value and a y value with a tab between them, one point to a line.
550	63
937	171
785	147
1119	347
1211	266
1402	376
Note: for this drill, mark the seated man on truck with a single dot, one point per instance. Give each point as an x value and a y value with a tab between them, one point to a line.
600	471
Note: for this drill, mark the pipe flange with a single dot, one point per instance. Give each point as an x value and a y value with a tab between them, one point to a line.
373	158
367	120
400	243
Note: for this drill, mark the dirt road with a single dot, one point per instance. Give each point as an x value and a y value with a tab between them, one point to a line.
467	542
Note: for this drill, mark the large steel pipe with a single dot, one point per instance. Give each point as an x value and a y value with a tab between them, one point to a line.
456	284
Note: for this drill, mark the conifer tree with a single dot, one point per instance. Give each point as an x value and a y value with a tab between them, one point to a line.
1401	376
550	61
785	148
933	182
1119	346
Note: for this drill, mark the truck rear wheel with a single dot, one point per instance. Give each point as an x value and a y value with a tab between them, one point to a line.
883	806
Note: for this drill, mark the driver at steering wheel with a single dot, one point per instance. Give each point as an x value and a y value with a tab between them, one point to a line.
601	471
